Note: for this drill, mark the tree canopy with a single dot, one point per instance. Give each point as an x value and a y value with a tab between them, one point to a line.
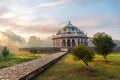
83	53
103	44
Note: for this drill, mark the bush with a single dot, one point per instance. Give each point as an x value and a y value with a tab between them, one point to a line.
5	52
83	53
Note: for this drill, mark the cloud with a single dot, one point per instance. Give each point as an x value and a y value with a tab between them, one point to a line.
3	10
20	17
84	2
41	25
103	22
52	4
109	25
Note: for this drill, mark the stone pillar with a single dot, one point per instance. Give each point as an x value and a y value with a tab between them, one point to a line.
60	43
71	42
76	42
66	42
55	43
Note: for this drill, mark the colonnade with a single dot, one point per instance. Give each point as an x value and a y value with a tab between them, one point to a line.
69	42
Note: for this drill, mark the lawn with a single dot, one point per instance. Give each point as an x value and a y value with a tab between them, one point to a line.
17	57
69	69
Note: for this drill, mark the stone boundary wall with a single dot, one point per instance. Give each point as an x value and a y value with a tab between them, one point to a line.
57	49
28	70
116	49
42	49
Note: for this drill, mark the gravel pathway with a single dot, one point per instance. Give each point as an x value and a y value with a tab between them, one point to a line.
18	71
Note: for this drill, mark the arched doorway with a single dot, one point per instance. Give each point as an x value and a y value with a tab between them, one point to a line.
81	41
68	43
78	41
73	43
63	43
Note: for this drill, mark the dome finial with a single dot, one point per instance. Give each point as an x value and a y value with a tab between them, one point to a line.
69	22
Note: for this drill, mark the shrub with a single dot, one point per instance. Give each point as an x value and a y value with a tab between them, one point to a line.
83	53
5	52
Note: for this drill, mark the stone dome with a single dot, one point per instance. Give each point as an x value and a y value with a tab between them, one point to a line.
70	29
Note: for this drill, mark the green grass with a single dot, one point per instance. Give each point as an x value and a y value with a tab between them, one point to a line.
17	57
69	69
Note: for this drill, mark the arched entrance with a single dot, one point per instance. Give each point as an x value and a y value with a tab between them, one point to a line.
68	43
78	41
81	41
73	42
63	43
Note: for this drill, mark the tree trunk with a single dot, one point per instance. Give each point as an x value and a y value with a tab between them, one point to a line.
105	58
87	66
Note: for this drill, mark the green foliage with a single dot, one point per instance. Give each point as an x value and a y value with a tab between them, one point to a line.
83	53
103	44
33	51
5	52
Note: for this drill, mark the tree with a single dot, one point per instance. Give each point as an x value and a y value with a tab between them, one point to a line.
83	53
103	44
34	41
33	51
5	52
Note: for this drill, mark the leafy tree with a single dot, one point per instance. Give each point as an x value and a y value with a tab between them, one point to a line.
33	51
5	52
34	41
83	53
103	44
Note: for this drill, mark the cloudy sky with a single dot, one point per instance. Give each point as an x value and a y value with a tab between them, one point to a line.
45	17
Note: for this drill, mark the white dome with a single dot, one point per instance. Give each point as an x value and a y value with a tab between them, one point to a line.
70	29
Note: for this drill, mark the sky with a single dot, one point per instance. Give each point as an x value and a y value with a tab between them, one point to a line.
44	18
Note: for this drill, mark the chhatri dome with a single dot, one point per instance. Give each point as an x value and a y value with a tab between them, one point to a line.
69	36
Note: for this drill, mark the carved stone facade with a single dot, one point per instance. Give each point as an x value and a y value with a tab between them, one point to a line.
70	36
